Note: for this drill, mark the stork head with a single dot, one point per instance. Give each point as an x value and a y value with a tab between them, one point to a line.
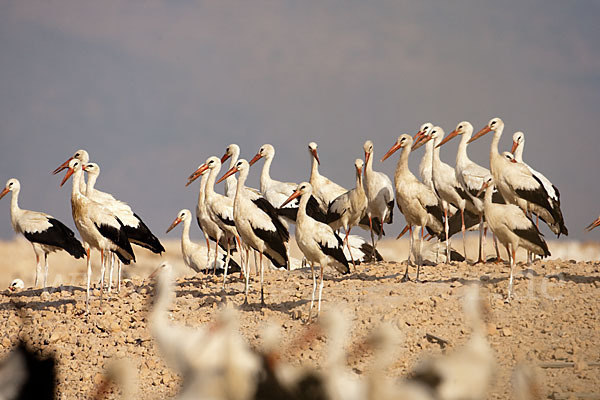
91	168
80	155
436	134
16	284
509	156
181	216
359	165
518	139
211	163
303	188
486	184
231	151
403	141
73	166
423	132
241	166
12	185
368	148
462	128
312	149
495	124
266	150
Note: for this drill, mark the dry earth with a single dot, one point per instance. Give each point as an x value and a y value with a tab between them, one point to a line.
552	322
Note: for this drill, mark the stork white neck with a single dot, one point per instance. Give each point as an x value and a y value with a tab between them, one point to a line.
461	154
230	182
265	177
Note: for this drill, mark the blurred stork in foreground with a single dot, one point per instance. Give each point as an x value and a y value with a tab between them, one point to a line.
45	233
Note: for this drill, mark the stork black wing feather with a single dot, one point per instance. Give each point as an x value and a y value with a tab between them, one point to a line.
58	235
118	237
268	209
142	236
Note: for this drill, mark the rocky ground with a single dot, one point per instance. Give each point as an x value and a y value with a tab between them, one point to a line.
552	324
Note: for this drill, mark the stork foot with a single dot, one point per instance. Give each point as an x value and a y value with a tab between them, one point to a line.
405	278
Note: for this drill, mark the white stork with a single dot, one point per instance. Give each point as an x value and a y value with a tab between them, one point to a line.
513	228
276	192
45	233
17	284
553	193
218	207
349	208
318	242
324	189
98	227
209	228
137	231
380	194
448	188
517	184
416	201
258	225
471	176
426	161
233	151
192	252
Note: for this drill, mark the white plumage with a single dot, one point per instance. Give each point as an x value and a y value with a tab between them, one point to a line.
317	241
380	194
45	233
324	189
258	225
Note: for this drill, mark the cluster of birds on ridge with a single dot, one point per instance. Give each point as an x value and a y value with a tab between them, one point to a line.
445	201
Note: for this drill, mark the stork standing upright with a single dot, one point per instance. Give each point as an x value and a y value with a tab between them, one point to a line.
448	188
416	201
470	176
45	233
98	227
258	225
513	228
318	242
517	184
553	193
137	231
218	207
209	228
324	189
380	194
276	192
349	208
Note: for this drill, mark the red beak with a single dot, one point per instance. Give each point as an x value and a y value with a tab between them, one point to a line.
4	192
255	158
593	224
174	224
452	134
232	171
62	166
315	155
292	197
367	156
225	157
480	134
514	147
391	151
67	176
424	139
196	174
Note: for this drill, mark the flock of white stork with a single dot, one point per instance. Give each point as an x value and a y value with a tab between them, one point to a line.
445	201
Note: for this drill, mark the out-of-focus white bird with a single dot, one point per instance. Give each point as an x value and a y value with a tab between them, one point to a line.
16	284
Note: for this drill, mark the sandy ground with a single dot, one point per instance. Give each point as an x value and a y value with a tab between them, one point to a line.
552	322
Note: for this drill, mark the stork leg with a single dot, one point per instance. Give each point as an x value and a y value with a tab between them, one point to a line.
38	268
110	272
207	252
89	277
262	292
312	299
227	257
246	265
512	270
255	263
420	254
216	254
45	269
102	271
373	236
406	278
349	250
447	238
119	265
320	291
498	258
464	231
481	240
